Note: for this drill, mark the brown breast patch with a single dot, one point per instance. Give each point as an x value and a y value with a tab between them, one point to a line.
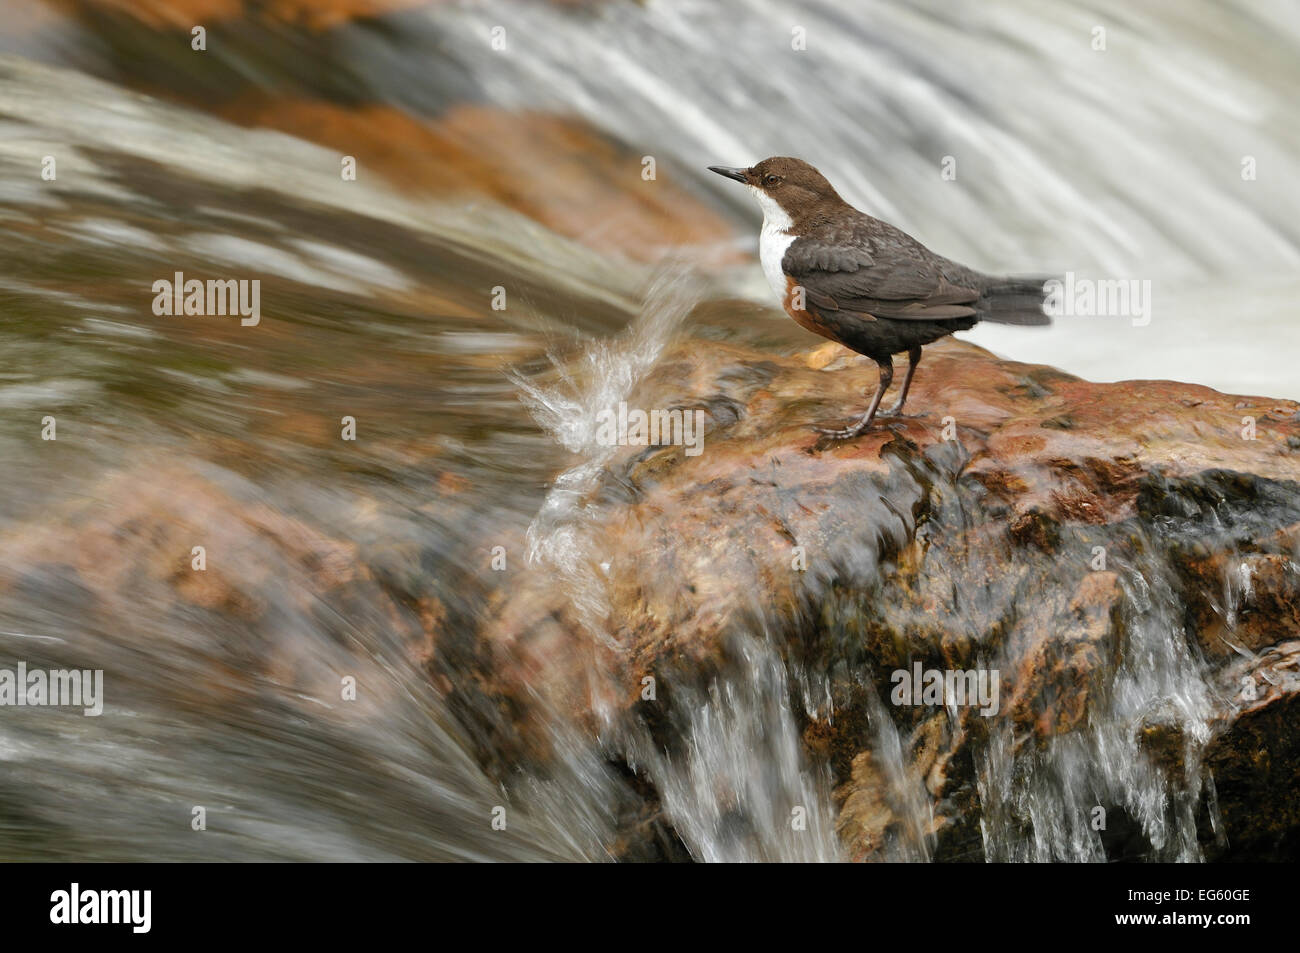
805	315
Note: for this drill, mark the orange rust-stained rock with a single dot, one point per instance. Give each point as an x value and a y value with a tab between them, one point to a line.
314	15
183	14
557	170
767	481
996	528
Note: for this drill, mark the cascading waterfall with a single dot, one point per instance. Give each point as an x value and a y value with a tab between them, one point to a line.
1042	806
743	789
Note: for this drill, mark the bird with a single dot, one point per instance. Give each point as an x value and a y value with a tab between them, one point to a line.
862	282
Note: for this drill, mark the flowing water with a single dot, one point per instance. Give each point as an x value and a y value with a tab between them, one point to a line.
183	432
1039	807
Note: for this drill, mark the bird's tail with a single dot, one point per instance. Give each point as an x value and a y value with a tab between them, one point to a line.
1014	301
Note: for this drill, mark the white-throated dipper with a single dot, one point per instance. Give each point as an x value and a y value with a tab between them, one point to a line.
864	283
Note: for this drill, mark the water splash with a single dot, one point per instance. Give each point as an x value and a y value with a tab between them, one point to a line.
742	789
560	536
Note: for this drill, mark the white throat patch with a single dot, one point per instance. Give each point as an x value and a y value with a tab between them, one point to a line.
773	240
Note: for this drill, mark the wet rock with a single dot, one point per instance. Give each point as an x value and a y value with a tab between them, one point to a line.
1255	758
1085	565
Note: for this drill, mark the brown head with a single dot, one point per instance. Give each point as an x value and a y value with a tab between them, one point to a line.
789	187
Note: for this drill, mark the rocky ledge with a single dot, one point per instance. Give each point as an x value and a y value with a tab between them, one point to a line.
1123	557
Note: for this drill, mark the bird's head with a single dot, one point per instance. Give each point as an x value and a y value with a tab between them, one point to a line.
785	187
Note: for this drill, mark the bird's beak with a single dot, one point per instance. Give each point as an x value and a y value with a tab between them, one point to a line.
737	174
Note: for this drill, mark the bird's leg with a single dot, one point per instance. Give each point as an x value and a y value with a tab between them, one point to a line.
886	378
913	359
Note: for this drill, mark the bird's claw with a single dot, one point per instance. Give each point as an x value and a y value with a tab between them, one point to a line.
845	434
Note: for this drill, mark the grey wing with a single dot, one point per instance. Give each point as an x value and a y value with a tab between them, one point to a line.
872	268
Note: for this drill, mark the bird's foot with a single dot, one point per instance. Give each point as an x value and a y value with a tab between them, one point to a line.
847	433
897	411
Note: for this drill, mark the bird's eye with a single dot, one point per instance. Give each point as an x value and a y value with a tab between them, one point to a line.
771	179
